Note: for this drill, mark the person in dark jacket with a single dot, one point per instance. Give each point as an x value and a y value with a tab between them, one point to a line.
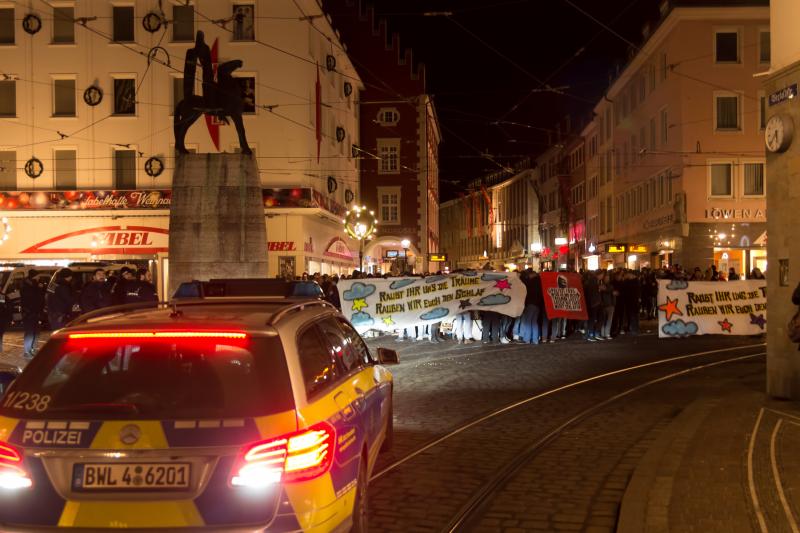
534	301
608	300
61	300
632	293
140	289
96	294
591	292
120	287
332	293
32	302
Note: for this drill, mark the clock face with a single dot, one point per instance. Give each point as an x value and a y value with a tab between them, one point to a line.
778	133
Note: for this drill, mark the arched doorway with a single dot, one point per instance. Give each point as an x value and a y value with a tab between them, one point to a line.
386	254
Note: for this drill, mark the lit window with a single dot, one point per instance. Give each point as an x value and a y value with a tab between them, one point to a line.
389	153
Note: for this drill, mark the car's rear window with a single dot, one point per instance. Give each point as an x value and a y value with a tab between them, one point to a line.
163	378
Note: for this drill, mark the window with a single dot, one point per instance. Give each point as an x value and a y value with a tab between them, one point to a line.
124	96
7	25
609	214
652	145
609	156
726	111
592	187
356	343
8	170
8	98
63	25
721	179
602	216
123	24
344	353
65	169
652	192
664	127
642	88
177	92
389	205
633	96
124	169
64	98
762	110
651	74
661	189
664	66
608	123
316	362
183	23
388	116
642	146
247	85
764	46
244	22
389	152
726	46
625	103
753	179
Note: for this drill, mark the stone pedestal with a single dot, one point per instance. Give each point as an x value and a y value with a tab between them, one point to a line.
216	222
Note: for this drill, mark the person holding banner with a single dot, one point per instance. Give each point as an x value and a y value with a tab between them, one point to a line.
608	298
591	292
534	301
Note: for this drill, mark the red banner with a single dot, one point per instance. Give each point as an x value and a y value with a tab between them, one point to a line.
563	295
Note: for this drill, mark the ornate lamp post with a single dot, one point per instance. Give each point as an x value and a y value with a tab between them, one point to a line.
405	243
360	225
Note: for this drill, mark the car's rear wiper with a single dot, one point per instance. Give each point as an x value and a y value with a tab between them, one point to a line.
109	407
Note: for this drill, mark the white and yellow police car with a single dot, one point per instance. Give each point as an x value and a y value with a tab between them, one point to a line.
229	414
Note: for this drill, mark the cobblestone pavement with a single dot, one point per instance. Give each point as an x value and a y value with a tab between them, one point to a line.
439	387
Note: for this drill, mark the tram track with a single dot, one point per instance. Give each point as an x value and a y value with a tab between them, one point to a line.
447	481
471	510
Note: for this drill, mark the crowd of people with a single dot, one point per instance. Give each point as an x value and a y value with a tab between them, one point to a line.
62	301
616	301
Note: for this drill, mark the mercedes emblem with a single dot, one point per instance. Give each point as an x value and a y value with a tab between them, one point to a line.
130	434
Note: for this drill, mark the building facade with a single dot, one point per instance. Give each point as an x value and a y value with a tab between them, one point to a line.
86	98
680	159
399	148
496	222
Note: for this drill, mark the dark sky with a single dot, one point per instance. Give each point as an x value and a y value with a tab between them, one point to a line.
484	61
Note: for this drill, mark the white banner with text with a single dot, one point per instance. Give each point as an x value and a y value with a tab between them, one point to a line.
395	303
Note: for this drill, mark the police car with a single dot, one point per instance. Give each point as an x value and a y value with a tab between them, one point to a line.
224	413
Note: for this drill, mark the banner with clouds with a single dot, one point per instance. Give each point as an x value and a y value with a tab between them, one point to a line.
394	303
711	307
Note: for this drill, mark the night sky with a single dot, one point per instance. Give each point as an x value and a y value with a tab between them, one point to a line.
486	63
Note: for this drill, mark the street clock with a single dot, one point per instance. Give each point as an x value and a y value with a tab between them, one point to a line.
778	133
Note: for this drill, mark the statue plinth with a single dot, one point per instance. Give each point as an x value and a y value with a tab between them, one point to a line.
216	220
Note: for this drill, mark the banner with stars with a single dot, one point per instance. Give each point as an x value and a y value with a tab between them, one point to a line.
711	307
396	303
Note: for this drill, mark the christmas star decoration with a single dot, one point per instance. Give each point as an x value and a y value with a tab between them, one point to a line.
359	304
725	325
502	284
388	320
759	320
464	304
670	308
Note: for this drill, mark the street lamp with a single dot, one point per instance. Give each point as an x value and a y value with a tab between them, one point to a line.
405	243
360	224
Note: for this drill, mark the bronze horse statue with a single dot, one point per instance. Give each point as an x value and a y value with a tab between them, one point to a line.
222	98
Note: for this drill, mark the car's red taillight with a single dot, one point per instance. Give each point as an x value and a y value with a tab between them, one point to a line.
296	457
12	474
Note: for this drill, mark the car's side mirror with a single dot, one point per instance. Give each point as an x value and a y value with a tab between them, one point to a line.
6	378
387	356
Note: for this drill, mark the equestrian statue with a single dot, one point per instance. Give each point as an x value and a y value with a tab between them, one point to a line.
222	98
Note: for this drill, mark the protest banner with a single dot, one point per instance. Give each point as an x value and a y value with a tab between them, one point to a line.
563	295
395	303
688	308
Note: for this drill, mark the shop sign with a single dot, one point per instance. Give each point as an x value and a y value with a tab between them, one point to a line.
438	258
787	93
637	249
308	247
281	246
616	248
737	214
46	200
337	248
328	204
106	240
